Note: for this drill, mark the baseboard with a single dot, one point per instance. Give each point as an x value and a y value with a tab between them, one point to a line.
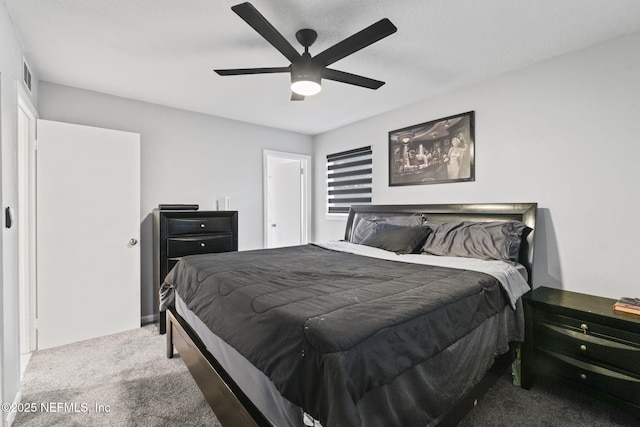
151	318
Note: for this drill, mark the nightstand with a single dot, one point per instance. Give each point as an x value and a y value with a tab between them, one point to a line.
578	340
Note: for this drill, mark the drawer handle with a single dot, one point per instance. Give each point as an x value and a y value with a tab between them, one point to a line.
202	245
202	226
584	328
583	376
583	347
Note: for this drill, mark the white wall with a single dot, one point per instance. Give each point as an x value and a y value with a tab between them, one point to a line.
563	133
186	158
10	75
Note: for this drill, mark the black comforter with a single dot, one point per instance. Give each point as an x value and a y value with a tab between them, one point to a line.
328	326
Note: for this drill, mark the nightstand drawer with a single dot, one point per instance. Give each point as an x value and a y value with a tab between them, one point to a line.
589	327
182	226
595	377
578	344
178	247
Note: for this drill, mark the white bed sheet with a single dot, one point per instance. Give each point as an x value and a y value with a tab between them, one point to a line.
512	276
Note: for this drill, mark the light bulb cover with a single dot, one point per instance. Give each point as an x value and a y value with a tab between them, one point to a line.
306	87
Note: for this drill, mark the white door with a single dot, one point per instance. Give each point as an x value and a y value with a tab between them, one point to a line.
286	199
88	224
284	203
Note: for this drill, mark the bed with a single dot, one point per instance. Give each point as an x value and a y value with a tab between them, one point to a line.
407	321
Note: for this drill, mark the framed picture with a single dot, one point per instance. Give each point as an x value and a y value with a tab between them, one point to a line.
433	152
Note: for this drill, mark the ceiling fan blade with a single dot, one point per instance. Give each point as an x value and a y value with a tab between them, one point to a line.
251	16
241	71
352	79
359	40
296	97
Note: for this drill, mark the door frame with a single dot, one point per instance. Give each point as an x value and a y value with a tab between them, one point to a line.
305	197
27	276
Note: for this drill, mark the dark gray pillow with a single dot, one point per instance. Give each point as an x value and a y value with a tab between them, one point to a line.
483	240
396	238
367	222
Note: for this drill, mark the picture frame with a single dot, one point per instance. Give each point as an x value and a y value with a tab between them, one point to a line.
435	152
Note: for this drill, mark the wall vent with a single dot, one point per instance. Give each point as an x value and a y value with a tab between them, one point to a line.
26	75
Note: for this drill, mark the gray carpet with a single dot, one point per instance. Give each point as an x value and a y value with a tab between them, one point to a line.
130	373
127	371
543	405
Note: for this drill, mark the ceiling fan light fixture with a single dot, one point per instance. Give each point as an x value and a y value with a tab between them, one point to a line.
306	87
305	76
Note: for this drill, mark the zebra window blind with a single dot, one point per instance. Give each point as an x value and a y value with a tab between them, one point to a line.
349	179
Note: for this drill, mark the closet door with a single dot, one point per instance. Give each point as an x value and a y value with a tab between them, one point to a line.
88	226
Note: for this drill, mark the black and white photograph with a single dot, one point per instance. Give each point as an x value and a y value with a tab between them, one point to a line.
433	152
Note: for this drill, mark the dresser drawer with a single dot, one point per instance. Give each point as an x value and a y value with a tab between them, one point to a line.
183	226
178	247
594	377
585	346
170	263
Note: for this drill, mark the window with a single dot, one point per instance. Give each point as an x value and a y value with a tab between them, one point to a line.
348	179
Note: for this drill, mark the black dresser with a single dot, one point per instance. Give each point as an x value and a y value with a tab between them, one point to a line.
180	233
580	341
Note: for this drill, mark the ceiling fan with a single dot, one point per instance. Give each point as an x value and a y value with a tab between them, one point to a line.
307	71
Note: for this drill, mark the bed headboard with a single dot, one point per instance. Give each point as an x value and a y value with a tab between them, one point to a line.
478	212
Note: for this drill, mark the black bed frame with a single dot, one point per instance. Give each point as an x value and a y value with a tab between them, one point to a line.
233	408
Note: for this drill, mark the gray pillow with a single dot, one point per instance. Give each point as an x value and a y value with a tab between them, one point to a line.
483	240
367	222
396	238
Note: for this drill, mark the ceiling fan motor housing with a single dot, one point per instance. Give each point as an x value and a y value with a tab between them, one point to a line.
305	68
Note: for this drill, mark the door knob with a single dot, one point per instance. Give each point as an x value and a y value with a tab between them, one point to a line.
133	242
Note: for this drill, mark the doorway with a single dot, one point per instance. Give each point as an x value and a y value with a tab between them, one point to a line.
287	189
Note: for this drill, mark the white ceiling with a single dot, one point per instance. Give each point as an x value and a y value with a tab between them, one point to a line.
164	51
